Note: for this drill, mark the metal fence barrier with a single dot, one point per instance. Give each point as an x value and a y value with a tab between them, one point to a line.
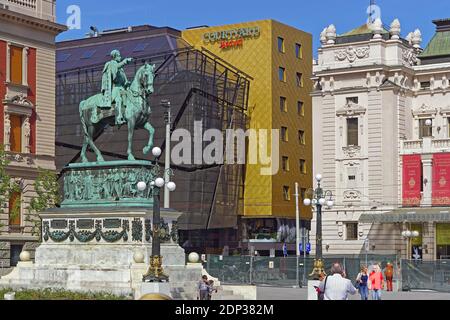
426	275
282	271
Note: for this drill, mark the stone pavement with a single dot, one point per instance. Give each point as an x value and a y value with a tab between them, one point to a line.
272	293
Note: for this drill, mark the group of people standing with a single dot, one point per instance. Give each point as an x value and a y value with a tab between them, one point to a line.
205	289
337	287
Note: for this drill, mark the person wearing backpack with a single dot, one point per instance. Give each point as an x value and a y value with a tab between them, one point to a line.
362	283
376	281
335	286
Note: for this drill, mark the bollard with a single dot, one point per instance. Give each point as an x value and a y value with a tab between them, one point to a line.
10	296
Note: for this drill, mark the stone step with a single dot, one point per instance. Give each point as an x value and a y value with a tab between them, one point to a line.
227	297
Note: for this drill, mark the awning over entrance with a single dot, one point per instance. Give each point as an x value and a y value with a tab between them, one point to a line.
409	215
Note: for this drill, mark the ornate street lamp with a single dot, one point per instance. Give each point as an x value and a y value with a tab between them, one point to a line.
409	236
318	198
155	272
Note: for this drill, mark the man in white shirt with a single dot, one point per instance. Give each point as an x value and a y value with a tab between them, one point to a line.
337	287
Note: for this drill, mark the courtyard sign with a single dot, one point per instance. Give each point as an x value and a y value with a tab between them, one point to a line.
231	38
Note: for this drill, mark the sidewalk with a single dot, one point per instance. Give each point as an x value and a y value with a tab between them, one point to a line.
271	293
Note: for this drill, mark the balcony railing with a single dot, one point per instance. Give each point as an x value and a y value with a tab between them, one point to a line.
43	9
426	145
24	3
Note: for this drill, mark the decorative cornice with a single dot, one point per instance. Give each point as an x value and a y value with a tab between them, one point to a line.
32	22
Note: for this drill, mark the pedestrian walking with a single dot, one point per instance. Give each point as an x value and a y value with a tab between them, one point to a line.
389	275
203	288
362	282
335	286
376	281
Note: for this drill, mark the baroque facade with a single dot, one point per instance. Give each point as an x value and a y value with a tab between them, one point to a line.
373	92
27	109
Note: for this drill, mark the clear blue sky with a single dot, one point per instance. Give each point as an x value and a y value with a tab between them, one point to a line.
309	15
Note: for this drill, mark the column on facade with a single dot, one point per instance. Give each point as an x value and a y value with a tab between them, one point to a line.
427	165
7	132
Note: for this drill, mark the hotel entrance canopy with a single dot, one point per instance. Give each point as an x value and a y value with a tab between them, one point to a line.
409	215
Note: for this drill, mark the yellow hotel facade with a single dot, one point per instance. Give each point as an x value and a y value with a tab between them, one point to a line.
279	59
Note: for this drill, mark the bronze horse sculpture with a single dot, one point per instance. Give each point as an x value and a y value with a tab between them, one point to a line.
134	102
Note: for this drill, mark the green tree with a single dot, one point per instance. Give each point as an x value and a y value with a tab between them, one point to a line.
7	188
47	196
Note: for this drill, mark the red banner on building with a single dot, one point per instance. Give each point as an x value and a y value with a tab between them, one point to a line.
441	179
412	180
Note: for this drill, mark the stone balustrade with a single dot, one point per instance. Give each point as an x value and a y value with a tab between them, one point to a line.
43	9
426	145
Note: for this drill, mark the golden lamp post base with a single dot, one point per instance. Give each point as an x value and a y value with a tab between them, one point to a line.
155	272
318	270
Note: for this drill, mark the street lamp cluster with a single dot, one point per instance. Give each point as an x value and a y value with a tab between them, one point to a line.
156	272
318	198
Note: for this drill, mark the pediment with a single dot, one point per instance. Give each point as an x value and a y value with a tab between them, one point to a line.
425	110
351	109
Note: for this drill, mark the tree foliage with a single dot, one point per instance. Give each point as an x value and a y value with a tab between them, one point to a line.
47	196
7	187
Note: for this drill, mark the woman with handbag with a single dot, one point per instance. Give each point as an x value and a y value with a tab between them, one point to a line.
362	283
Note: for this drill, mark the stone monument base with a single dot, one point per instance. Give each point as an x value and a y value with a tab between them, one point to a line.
104	250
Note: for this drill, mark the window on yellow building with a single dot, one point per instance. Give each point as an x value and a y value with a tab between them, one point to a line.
14	210
303	166
283	104
281	45
298	51
16	64
301	108
285	164
282	74
302	137
16	133
299	78
284	134
286	193
302	194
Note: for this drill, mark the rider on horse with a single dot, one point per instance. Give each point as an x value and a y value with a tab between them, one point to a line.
114	80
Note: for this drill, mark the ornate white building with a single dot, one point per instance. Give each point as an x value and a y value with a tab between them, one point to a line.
381	106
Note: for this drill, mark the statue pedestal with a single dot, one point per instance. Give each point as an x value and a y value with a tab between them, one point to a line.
92	250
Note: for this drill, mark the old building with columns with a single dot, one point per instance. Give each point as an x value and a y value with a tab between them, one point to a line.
381	131
27	109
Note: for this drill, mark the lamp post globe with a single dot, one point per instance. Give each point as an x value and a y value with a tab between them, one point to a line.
408	234
428	122
171	186
141	186
307	202
159	182
415	234
314	202
330	204
319	177
156	151
322	201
